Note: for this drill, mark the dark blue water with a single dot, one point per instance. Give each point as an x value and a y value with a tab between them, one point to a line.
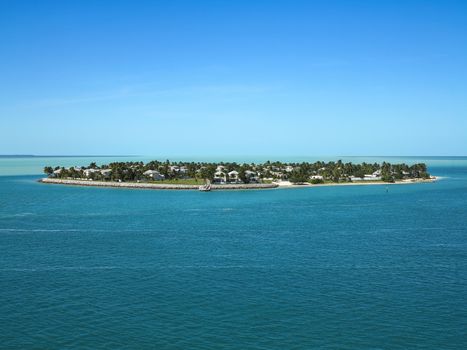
311	268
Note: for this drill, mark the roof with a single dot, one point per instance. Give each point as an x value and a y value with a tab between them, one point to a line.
90	170
151	172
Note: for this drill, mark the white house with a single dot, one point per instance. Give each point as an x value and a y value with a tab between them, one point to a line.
57	172
154	174
106	172
376	175
367	177
219	177
233	176
277	174
252	176
316	177
372	177
289	168
88	172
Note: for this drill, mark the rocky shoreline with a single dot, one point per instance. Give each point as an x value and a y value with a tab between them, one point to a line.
153	186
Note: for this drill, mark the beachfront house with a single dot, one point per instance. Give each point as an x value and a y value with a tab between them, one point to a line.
233	176
181	171
89	172
106	173
56	172
316	177
154	175
277	174
289	168
375	176
252	176
219	177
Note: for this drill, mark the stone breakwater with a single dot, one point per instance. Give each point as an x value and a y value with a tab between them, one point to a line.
154	186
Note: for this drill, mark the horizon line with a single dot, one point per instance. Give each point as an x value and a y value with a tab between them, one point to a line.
208	155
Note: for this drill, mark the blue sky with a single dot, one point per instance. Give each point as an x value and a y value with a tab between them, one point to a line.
233	77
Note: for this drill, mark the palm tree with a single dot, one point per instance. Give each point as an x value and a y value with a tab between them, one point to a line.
48	170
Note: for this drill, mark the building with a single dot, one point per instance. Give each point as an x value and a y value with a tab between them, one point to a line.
252	176
56	172
233	176
219	177
106	173
154	174
89	172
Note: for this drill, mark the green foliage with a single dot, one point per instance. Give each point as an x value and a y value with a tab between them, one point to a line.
298	176
316	181
302	172
48	170
207	172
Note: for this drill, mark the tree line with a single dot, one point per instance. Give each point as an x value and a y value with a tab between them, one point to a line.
316	172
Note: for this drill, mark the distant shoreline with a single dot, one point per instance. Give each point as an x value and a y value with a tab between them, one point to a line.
64	156
273	185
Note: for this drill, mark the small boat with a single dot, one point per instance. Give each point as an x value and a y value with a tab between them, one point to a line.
205	188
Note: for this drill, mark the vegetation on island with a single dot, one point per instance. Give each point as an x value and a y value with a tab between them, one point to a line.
231	172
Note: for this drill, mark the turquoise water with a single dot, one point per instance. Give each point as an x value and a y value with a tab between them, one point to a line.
310	268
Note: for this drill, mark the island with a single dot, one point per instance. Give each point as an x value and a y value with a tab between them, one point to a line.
207	176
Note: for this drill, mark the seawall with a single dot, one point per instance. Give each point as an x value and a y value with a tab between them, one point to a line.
153	186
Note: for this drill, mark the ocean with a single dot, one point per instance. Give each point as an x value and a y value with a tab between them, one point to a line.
349	267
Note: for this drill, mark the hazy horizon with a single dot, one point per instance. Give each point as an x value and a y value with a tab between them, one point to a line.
228	155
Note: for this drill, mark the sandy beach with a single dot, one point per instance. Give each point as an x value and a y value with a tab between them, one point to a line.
288	184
